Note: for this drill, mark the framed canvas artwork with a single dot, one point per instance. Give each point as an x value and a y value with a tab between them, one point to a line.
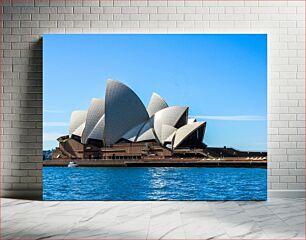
155	117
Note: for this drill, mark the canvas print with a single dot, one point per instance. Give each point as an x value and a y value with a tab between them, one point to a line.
155	117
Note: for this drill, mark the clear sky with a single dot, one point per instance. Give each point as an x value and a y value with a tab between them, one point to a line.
221	77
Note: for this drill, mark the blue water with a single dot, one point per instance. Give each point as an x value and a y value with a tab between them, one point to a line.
154	183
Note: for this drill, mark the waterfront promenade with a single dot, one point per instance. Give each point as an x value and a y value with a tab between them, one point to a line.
169	162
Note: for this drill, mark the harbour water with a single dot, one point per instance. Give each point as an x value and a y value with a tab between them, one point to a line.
154	183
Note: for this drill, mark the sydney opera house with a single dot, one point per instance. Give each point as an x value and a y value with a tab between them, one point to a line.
121	127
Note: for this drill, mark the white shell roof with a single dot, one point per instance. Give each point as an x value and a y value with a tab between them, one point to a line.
76	119
123	111
123	115
185	131
98	131
170	138
94	114
156	103
167	116
167	130
133	133
147	136
79	130
146	133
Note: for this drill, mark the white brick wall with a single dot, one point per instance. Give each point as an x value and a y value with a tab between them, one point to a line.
24	21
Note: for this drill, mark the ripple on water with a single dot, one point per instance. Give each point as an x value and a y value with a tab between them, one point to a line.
148	183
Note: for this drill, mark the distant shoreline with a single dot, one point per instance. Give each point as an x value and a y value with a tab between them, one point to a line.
224	162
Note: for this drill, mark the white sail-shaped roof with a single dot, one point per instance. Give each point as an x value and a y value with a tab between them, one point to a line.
170	138
123	111
147	136
132	134
76	119
79	130
167	130
146	133
94	114
168	116
98	131
183	132
156	103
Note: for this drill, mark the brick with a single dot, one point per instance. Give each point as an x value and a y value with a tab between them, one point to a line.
27	179
167	24
195	3
185	10
82	24
130	24
46	24
29	10
158	17
19	173
57	3
91	3
148	24
222	24
91	16
10	179
296	172
44	3
137	3
114	24
29	24
277	186
202	10
147	9
40	16
62	10
287	165
21	31
73	16
57	17
105	17
139	17
11	9
11	24
98	24
74	3
158	3
129	10
230	17
23	3
121	17
166	10
81	9
176	17
111	10
64	24
296	186
231	3
22	16
287	179
193	17
96	10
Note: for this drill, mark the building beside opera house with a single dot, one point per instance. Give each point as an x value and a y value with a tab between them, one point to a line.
121	127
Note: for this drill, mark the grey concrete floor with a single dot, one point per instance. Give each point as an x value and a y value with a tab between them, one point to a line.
274	219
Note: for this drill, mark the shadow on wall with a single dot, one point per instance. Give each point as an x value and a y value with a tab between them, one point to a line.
30	110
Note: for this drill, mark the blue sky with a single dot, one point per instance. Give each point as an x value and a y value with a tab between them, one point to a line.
221	77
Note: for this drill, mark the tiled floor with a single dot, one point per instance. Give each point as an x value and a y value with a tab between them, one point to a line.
274	219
